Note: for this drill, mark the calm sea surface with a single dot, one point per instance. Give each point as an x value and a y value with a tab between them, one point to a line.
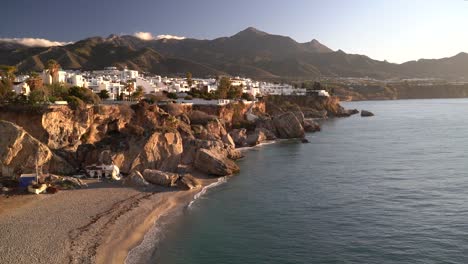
387	189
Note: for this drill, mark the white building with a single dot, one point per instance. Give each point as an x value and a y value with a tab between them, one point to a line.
21	88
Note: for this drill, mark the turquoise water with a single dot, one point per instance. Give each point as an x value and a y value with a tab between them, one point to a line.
387	189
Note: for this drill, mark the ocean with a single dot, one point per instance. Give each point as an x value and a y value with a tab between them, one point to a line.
392	188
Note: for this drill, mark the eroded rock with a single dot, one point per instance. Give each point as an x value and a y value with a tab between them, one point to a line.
214	163
161	178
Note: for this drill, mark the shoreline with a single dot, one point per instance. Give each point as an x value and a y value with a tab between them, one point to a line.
98	224
112	232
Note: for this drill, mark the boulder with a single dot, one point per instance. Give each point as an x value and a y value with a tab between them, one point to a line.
268	134
311	126
188	182
228	141
135	179
191	147
239	136
313	113
234	154
288	126
161	178
365	113
214	163
161	151
19	151
257	137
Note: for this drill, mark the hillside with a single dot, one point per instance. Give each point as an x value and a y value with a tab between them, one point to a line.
251	53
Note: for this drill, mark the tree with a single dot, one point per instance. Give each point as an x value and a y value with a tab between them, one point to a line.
53	68
248	97
6	84
223	87
56	91
235	92
172	96
317	86
37	96
138	94
189	79
104	94
85	94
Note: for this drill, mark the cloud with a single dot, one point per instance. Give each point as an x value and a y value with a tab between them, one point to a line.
34	42
169	37
144	35
149	36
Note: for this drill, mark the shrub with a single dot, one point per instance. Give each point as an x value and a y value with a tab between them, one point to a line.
188	97
75	103
84	94
172	96
37	96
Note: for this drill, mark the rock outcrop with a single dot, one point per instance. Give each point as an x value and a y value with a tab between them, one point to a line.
288	126
365	113
19	151
162	151
239	136
311	126
214	163
188	182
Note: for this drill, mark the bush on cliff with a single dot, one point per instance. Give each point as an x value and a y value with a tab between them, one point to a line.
86	95
75	103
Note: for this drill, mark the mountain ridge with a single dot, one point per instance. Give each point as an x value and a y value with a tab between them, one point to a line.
250	52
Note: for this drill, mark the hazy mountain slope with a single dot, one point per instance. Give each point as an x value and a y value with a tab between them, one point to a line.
250	52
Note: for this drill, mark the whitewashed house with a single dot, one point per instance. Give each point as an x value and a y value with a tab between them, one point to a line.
21	88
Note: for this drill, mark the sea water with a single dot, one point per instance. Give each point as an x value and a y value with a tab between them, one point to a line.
392	188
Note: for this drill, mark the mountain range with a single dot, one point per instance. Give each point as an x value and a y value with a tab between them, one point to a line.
251	52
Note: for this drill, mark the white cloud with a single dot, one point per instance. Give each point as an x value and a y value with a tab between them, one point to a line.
144	35
169	37
149	36
34	42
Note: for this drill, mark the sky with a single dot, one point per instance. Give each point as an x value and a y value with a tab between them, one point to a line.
392	30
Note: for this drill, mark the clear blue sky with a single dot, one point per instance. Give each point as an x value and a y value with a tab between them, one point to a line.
395	30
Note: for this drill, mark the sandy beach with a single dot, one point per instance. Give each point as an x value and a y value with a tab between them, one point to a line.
98	224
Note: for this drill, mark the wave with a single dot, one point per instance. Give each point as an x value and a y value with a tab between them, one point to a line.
206	188
259	145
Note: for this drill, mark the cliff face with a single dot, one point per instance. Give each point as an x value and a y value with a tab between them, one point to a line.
143	136
311	106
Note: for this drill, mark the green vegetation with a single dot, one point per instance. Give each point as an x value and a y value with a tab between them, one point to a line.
189	79
103	94
85	94
7	73
172	96
227	91
138	94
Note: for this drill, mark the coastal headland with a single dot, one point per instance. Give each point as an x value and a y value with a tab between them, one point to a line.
167	154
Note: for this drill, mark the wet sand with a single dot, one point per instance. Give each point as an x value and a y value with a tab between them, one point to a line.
98	224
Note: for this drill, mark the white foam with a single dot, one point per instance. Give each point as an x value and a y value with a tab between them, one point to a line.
143	252
259	145
206	188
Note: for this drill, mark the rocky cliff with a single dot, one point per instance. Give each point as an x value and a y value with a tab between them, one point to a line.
170	138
